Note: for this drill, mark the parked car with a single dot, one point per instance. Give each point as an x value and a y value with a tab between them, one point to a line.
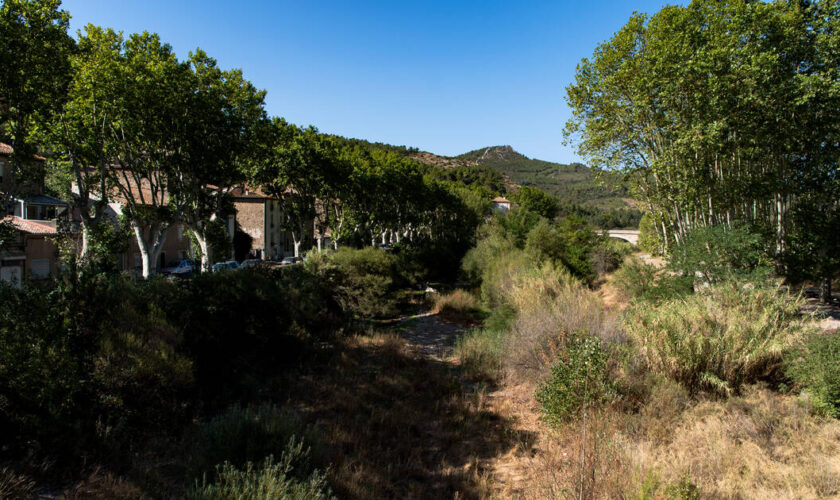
290	260
225	266
250	263
183	268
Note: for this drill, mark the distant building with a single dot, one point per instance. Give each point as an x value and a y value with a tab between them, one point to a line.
260	216
501	204
32	253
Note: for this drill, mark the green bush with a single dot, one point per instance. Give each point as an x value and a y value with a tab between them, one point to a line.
649	239
250	434
269	481
571	243
719	339
364	280
717	253
815	366
637	280
579	379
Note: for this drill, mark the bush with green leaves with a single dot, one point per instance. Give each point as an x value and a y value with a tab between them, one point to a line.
250	434
363	280
580	379
637	280
717	253
720	338
269	480
815	366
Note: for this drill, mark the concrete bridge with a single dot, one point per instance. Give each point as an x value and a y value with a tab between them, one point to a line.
631	235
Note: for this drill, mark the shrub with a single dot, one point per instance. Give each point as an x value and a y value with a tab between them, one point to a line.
570	243
551	307
717	253
250	434
268	481
363	280
637	280
480	353
458	305
717	340
816	367
578	380
649	239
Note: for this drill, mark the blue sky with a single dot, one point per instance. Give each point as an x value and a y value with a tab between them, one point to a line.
447	77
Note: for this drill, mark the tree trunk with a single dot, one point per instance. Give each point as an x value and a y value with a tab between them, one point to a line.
206	251
825	291
150	246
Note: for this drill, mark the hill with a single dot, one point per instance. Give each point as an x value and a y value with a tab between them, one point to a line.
573	183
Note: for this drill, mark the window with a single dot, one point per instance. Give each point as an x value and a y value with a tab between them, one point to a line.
40	268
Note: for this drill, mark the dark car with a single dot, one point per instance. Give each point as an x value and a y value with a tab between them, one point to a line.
287	261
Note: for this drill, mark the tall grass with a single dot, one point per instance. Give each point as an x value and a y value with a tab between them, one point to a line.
729	335
458	305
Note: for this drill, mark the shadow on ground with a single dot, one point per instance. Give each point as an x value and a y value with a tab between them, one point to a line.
398	424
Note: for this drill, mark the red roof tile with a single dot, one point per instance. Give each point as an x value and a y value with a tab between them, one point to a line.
7	150
30	226
500	199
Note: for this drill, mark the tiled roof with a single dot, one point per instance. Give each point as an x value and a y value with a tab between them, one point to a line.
30	226
7	150
500	199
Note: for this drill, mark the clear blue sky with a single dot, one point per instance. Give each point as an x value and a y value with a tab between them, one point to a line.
444	76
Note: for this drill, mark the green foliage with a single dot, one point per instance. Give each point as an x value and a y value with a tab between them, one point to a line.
481	351
717	253
535	200
641	281
649	239
100	364
815	366
571	243
363	280
579	379
703	109
477	176
730	335
267	482
582	190
252	434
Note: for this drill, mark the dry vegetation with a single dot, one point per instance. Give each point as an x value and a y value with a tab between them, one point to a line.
662	437
398	425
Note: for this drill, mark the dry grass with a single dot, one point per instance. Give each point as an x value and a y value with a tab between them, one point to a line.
459	306
759	445
399	425
551	306
719	339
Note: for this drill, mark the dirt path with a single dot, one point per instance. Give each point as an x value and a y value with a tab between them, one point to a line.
430	335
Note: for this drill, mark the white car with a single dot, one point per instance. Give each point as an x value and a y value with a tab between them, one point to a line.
225	266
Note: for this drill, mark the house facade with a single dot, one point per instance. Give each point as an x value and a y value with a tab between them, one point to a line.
501	204
33	217
260	216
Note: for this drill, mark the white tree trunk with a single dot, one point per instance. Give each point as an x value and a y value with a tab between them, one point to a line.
206	251
150	246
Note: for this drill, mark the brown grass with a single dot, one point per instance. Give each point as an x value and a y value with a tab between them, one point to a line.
459	306
399	425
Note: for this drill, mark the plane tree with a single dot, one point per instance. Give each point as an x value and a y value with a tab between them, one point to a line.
216	142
